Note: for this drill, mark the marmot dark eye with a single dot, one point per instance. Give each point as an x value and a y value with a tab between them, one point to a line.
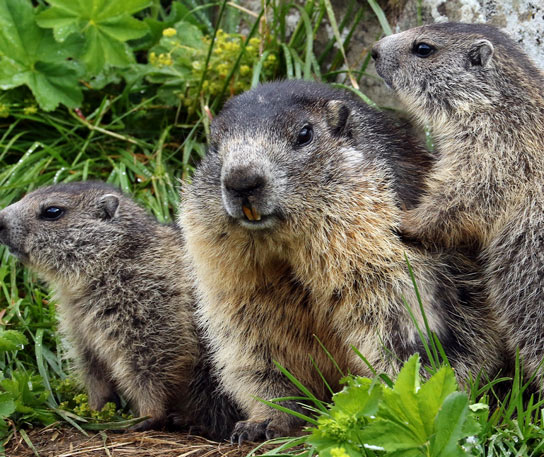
51	213
305	136
423	50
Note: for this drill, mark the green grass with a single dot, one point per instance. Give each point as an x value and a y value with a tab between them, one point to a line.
135	131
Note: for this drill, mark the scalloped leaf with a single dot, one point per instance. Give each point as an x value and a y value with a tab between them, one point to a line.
105	26
30	56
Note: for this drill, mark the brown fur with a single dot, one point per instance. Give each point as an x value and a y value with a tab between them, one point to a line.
125	303
484	100
325	259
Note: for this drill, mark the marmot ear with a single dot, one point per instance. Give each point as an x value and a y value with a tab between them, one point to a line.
337	112
109	204
480	53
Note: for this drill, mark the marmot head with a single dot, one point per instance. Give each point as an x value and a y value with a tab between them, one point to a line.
291	157
66	229
448	68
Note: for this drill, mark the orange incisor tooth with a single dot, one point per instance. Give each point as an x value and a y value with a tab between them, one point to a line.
256	214
247	212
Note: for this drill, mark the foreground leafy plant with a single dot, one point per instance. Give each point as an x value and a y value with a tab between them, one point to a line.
409	419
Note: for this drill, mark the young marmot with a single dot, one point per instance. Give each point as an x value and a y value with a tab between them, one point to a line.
291	227
484	100
125	303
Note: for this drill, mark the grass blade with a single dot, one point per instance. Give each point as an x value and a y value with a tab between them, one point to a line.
336	31
381	17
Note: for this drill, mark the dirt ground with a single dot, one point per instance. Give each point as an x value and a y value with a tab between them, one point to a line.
66	442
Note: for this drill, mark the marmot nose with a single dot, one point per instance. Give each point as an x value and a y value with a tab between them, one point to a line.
375	54
243	182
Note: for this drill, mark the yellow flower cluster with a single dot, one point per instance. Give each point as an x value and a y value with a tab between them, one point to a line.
169	32
188	56
226	50
79	403
32	109
339	452
162	60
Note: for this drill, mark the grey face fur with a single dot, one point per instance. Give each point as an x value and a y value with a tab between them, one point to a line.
270	177
257	161
444	68
44	229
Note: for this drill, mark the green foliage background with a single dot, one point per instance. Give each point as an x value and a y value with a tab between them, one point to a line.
123	91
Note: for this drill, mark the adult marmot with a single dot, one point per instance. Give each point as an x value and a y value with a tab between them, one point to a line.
291	227
484	100
125	303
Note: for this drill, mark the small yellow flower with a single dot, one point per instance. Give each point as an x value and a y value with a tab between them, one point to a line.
339	452
244	70
4	110
232	46
165	59
153	59
169	32
30	110
254	41
223	69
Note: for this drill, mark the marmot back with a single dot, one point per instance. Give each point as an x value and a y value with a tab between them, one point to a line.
291	227
125	302
484	100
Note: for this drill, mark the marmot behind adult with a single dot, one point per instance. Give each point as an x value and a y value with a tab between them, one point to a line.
484	100
291	227
125	303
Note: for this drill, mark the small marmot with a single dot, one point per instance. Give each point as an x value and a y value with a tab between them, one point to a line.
484	101
125	303
291	228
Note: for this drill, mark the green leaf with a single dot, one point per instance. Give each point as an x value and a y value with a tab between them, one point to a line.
361	397
27	391
390	436
401	404
124	29
30	56
433	393
104	25
62	23
100	49
7	405
352	408
452	424
407	383
406	453
12	340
